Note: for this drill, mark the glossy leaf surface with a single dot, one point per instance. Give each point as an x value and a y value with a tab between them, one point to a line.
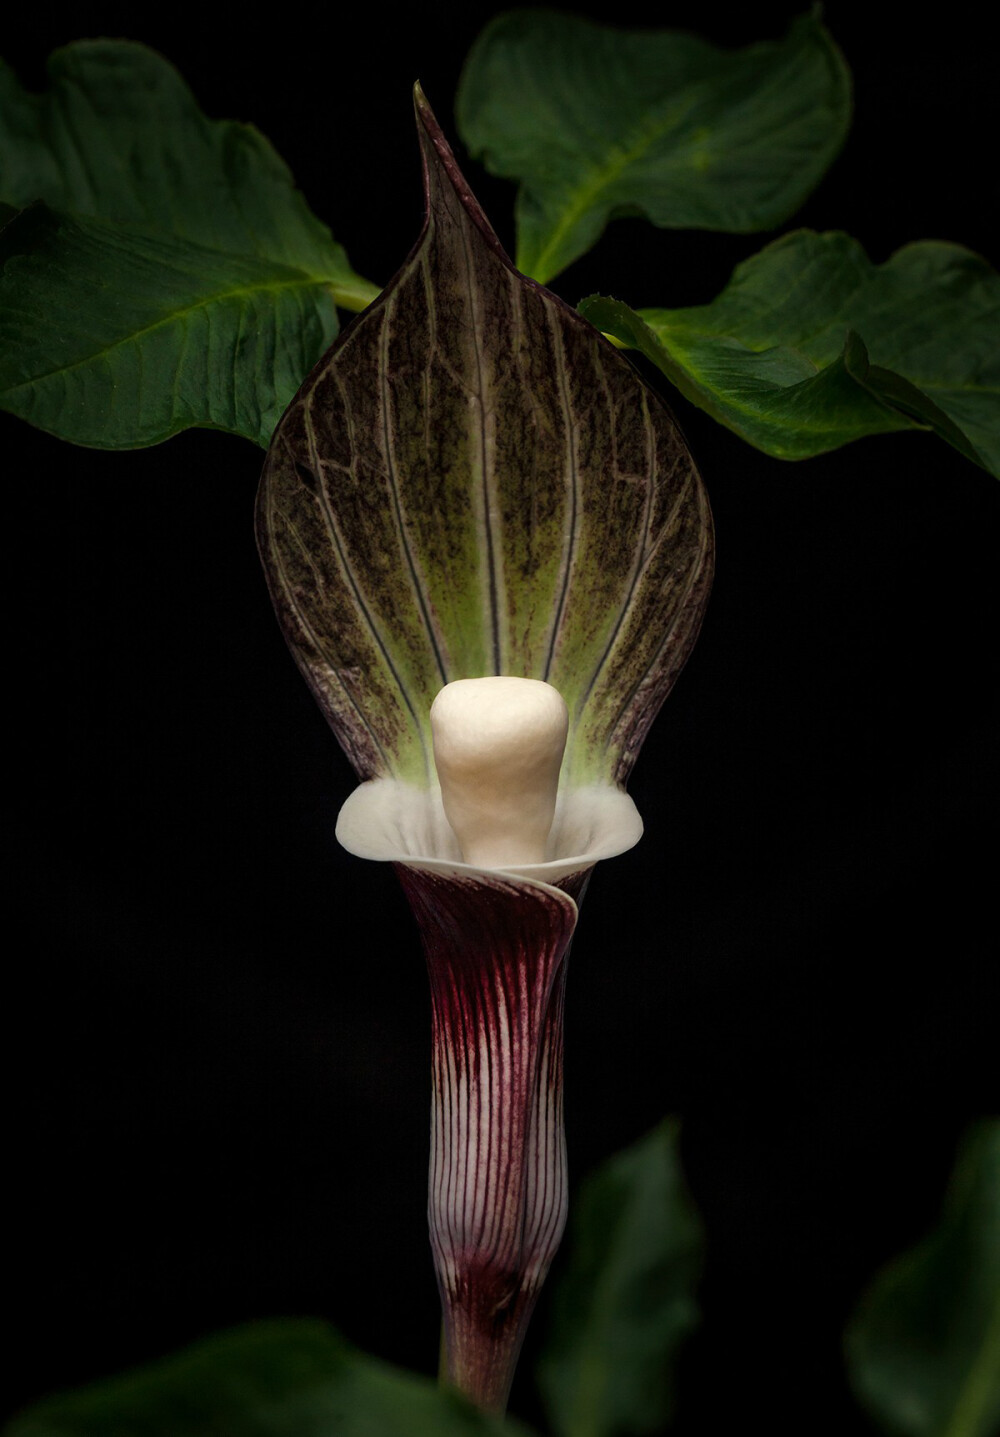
923	1350
274	1379
172	275
473	481
626	1301
810	345
595	122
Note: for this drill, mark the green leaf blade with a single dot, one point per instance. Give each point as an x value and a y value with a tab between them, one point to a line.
923	1349
115	339
176	247
811	346
273	1379
595	122
625	1304
119	136
931	314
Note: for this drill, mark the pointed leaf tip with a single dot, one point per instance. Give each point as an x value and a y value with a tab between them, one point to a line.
439	159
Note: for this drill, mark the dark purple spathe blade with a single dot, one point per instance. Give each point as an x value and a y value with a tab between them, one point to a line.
473	481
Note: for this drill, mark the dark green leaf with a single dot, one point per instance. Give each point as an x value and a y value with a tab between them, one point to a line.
172	276
810	345
596	122
923	1349
273	1379
625	1303
474	482
114	338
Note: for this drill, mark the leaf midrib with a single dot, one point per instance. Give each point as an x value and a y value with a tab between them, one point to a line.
728	400
176	316
686	331
602	178
773	420
937	384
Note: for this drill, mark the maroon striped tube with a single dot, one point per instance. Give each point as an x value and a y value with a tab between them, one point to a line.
496	948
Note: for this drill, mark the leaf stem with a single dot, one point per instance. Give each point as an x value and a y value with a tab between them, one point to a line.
354	294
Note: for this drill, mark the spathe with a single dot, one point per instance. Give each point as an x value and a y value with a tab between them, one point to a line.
474	482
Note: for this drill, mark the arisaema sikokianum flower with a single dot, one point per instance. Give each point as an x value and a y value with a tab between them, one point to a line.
472	483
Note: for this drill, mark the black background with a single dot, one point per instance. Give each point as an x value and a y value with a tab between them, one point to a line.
217	1020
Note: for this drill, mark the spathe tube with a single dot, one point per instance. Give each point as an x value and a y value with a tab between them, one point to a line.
496	943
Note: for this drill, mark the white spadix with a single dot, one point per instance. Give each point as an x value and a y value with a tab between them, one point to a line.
498	746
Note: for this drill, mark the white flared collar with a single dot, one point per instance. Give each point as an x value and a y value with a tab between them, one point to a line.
391	821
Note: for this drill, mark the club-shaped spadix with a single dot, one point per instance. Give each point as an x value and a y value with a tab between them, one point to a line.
498	748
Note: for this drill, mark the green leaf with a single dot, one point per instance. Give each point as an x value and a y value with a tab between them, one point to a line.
923	1349
625	1304
114	338
171	276
272	1379
474	482
811	345
595	122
